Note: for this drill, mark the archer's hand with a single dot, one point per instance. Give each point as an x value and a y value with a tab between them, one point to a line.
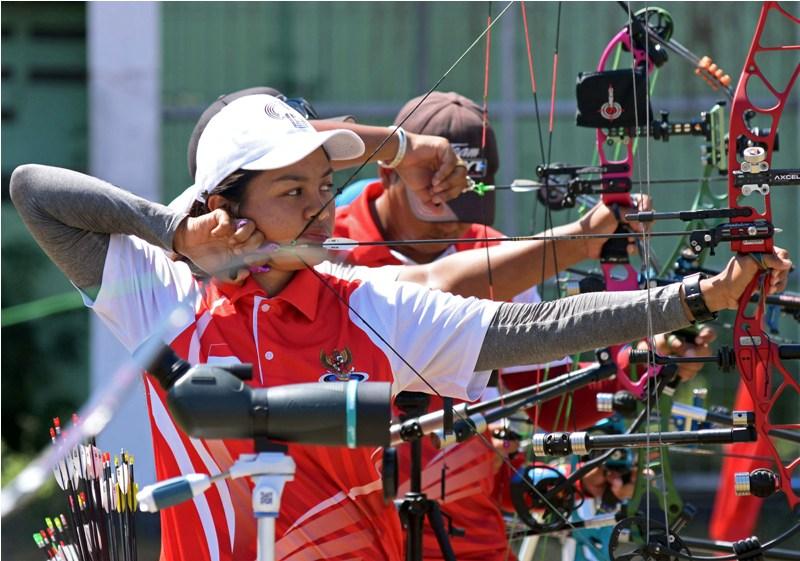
602	219
670	345
505	447
432	170
598	479
722	291
218	244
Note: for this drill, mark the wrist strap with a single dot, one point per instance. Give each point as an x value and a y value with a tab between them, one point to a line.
401	150
694	298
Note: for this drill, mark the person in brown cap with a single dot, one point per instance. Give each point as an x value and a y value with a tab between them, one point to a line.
386	210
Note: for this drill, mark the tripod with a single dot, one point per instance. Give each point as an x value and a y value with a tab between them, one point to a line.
416	506
270	468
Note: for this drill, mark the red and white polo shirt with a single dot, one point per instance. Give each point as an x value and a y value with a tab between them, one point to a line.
334	508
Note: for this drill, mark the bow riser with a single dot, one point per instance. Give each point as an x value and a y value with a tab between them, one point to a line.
618	273
757	357
620	40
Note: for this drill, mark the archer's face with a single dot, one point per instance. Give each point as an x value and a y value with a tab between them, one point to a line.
406	223
282	202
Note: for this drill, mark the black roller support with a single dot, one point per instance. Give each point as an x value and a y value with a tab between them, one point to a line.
705	436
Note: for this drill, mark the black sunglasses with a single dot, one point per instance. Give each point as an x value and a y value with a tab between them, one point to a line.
302	106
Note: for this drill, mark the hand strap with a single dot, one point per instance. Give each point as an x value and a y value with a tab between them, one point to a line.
694	298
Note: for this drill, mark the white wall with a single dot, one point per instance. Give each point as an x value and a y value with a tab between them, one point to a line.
124	60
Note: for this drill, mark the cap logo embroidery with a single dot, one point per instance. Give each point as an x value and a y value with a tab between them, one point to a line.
277	110
338	363
476	166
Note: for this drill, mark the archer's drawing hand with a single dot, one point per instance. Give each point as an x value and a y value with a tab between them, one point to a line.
218	244
432	169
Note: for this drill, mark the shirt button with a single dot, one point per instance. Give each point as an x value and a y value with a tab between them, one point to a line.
264	307
268	355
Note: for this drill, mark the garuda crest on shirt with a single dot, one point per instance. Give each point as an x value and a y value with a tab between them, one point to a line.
339	365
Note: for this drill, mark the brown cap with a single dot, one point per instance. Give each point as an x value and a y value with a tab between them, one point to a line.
459	120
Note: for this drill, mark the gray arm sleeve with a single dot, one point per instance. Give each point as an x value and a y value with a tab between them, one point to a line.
539	333
72	215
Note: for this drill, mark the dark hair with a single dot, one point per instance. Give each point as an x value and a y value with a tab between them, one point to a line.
232	188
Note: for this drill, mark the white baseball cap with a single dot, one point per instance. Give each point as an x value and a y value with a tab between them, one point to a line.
259	132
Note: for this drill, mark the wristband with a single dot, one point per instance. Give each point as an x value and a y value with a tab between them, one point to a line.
401	150
694	298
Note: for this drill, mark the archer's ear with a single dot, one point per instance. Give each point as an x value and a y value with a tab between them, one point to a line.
218	201
387	176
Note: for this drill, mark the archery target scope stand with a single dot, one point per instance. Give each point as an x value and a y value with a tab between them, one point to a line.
214	402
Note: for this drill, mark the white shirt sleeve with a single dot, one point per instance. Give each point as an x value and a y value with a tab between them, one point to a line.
437	334
144	293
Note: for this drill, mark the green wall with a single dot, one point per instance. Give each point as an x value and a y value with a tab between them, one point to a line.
44	120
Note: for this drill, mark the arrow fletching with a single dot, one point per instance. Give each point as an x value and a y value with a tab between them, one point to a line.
341	244
524	185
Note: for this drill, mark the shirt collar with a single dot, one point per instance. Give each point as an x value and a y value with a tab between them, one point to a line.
363	226
302	292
